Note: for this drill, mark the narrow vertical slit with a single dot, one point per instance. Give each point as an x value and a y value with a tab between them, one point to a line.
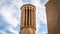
25	18
28	17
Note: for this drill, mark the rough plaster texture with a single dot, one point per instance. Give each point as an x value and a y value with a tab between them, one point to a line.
53	16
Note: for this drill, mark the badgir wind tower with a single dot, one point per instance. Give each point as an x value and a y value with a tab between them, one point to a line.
28	19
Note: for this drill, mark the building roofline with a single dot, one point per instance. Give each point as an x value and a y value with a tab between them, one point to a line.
28	5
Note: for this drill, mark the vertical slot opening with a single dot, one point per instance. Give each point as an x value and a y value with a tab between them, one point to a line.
28	17
25	17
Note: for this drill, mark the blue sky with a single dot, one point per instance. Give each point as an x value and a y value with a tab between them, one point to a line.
10	14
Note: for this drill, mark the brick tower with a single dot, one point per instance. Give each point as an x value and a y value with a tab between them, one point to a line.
53	16
28	19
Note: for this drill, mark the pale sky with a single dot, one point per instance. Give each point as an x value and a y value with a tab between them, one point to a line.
10	14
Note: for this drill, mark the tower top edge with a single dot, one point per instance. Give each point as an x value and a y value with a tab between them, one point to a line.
27	5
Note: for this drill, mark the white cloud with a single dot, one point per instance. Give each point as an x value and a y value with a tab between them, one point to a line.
8	16
1	2
43	32
40	13
8	12
17	3
3	32
36	3
10	28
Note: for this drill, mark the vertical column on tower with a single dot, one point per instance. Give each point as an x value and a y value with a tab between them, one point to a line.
34	17
22	17
26	16
31	10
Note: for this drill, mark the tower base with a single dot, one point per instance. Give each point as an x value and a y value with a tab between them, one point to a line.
27	31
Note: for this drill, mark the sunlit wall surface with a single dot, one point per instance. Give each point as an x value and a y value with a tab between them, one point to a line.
10	16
